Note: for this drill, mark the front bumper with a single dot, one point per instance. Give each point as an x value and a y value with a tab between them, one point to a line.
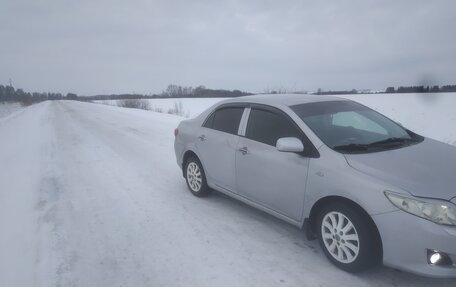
406	239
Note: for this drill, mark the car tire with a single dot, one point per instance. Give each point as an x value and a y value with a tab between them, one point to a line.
196	178
348	239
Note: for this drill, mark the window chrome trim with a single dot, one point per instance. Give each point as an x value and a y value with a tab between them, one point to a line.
243	124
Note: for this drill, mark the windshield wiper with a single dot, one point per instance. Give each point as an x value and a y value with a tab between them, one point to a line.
392	140
382	143
352	147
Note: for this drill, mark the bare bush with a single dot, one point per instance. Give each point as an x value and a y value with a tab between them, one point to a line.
145	105
178	109
108	103
158	110
134	104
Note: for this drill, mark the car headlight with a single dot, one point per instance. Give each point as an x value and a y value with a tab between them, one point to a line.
439	212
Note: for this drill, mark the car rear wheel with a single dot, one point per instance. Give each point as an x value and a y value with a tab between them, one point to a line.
347	238
195	177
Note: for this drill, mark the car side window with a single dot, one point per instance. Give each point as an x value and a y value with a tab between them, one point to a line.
225	119
209	121
267	127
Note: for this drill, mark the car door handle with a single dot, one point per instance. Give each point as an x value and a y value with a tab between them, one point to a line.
244	150
202	137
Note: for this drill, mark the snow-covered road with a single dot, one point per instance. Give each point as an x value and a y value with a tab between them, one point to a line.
90	195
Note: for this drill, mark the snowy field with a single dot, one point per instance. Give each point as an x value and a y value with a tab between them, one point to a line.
431	115
90	195
191	107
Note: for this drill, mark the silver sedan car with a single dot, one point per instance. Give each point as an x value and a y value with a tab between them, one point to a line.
369	189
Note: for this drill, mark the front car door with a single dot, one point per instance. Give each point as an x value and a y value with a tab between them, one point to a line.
266	176
216	145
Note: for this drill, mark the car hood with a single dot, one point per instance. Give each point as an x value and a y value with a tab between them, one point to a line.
426	169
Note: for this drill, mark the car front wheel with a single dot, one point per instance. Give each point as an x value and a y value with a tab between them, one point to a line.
347	238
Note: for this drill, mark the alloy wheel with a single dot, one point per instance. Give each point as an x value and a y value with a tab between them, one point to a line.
194	177
340	237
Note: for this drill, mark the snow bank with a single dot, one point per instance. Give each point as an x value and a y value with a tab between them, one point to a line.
7	109
191	107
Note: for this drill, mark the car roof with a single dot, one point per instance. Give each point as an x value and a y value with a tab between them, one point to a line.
283	99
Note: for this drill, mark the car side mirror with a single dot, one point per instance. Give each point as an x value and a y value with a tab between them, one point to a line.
289	145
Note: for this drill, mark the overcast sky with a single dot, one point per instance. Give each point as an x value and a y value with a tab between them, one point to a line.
109	46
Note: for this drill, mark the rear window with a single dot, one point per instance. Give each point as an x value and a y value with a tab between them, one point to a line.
225	120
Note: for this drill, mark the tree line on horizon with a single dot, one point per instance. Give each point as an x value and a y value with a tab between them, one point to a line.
9	94
175	91
422	89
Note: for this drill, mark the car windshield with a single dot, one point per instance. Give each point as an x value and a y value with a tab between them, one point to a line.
347	126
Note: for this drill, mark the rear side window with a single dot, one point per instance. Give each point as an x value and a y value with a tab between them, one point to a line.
226	120
267	127
209	121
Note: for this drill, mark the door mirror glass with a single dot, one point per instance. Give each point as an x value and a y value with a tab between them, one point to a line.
289	144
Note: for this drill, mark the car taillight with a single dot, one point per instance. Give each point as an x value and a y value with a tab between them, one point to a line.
176	132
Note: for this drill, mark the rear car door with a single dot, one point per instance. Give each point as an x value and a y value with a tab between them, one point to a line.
216	145
271	178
